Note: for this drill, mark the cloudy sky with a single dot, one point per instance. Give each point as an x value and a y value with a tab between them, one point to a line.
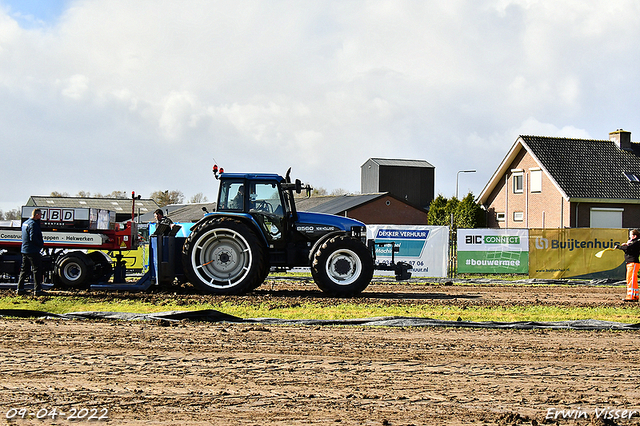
106	95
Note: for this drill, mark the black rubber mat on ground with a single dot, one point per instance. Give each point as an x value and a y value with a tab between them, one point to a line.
216	316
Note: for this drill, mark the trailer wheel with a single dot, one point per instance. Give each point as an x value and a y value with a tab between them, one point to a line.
342	266
224	257
103	268
73	269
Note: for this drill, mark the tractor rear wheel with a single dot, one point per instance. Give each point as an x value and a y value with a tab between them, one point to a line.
342	266
224	256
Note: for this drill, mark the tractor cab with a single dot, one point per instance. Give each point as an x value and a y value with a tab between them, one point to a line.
262	197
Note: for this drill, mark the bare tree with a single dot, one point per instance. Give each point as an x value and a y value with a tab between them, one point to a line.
339	191
13	214
164	198
198	198
117	194
58	194
86	194
318	191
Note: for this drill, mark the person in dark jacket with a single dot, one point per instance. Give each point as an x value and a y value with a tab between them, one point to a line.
161	219
631	256
32	243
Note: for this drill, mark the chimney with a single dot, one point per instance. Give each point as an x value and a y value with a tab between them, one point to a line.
621	138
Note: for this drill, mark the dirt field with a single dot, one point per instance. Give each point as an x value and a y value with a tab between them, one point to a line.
189	373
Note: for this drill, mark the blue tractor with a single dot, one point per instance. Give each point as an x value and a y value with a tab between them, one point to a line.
256	227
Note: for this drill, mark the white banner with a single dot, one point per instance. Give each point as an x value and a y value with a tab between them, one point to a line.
426	248
67	238
493	239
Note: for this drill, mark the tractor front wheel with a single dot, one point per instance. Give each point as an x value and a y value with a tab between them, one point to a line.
342	266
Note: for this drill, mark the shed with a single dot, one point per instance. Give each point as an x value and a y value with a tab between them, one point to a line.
412	181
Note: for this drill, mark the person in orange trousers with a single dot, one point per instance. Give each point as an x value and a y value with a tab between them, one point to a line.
631	253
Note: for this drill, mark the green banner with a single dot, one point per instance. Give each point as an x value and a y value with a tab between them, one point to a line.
493	262
493	251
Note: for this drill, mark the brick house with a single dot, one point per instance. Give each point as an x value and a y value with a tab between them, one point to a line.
548	182
380	208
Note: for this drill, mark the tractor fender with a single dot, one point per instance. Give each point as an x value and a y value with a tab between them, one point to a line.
244	217
321	241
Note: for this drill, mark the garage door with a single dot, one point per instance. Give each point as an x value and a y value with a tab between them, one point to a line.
605	218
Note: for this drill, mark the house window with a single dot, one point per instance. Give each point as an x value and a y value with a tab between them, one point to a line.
518	216
536	180
518	181
605	217
500	217
632	177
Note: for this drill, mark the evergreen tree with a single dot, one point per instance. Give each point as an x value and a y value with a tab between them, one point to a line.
437	212
466	213
469	214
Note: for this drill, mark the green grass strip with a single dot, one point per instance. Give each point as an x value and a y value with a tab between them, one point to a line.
345	310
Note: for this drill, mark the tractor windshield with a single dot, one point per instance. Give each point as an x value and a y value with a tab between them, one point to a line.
265	197
231	196
265	205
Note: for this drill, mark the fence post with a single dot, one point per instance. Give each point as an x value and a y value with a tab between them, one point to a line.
453	251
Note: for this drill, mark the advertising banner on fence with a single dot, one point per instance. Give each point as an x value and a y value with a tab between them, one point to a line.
493	251
571	253
69	238
423	247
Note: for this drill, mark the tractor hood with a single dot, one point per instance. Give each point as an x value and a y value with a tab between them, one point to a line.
323	223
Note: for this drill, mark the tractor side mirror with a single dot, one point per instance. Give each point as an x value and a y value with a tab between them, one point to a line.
298	186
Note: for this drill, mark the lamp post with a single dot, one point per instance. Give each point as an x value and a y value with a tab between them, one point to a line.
458	175
452	244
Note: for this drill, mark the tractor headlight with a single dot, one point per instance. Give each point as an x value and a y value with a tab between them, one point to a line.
359	232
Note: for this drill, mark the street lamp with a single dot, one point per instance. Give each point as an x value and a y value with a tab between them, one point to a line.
452	246
458	175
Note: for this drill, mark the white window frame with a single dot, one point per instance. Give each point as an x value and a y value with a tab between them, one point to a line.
518	216
518	177
501	216
536	180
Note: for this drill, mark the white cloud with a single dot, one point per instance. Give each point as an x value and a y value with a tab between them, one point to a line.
531	126
75	87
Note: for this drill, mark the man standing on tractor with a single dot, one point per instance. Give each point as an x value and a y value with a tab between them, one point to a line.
32	243
163	223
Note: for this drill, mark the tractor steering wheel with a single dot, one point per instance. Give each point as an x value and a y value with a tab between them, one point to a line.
264	206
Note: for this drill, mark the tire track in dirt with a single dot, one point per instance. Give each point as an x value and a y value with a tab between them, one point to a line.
196	373
192	373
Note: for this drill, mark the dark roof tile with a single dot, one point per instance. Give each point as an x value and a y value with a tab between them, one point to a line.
586	168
